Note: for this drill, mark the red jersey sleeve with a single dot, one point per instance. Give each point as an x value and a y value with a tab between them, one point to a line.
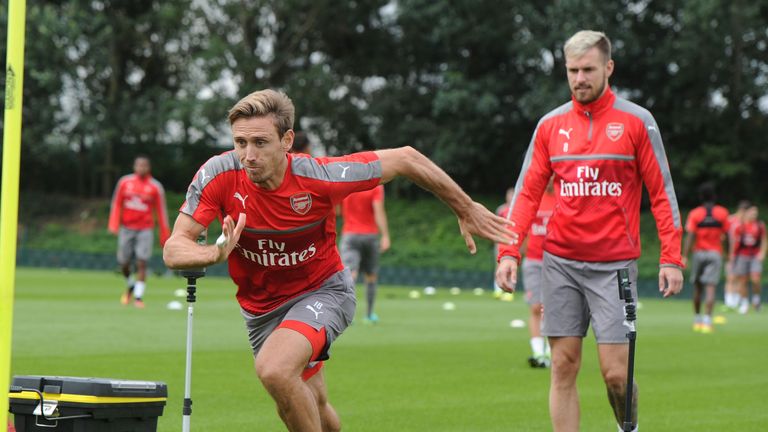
378	194
116	206
347	174
162	213
692	222
203	198
529	189
654	169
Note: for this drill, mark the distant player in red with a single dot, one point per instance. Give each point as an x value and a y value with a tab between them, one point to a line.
747	254
601	149
706	228
732	294
533	248
365	219
138	200
294	293
502	211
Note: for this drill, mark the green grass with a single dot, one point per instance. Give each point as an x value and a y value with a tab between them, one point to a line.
420	369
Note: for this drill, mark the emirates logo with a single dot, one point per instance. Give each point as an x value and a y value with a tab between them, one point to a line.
301	202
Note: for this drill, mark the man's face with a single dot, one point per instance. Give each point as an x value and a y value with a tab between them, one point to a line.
588	75
141	167
260	150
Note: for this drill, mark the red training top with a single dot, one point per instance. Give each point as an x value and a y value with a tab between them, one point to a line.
134	200
538	231
288	246
357	211
709	226
748	237
600	153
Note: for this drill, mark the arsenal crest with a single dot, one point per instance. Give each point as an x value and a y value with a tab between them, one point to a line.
614	131
301	202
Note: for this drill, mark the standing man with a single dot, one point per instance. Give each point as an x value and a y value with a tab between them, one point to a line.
747	254
364	220
295	295
601	149
533	248
732	293
136	198
706	227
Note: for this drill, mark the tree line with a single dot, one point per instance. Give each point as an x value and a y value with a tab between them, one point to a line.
464	81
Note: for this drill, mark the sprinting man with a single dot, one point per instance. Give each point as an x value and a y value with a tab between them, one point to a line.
138	200
706	228
294	293
732	297
365	219
533	248
747	255
502	211
601	149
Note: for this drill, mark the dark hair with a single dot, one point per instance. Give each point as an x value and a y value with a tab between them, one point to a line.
300	143
707	192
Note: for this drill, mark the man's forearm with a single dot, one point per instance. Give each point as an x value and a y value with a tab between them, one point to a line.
182	253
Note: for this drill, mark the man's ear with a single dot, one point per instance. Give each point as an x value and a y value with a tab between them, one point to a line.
287	140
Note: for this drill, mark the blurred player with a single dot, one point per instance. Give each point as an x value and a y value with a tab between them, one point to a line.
706	227
601	149
747	254
301	144
137	196
531	272
294	293
502	211
732	294
364	220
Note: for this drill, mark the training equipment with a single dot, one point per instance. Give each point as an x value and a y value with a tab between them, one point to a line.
180	293
430	290
478	291
414	294
625	293
174	305
449	306
517	323
192	276
455	291
222	241
41	403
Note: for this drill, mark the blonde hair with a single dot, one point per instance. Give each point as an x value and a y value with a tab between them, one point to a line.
583	41
264	103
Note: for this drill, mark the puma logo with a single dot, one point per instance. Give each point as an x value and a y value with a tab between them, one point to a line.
567	133
241	198
203	176
316	312
344	171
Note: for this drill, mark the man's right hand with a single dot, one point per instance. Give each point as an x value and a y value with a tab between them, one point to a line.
506	274
231	234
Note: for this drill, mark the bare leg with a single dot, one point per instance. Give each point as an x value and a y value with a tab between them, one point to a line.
756	289
370	292
141	270
697	298
613	365
709	299
279	365
328	417
534	320
563	395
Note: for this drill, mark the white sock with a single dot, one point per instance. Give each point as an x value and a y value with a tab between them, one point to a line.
537	346
707	319
734	301
138	289
129	281
755	298
697	318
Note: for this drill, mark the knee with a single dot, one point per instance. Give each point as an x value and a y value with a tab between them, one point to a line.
615	380
565	368
271	374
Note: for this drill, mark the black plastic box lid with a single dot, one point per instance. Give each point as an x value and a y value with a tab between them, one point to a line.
108	387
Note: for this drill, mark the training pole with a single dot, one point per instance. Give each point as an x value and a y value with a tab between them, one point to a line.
192	275
9	205
625	293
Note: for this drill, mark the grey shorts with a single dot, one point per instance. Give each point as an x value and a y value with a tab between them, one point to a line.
577	293
706	267
134	243
332	306
360	252
746	265
532	280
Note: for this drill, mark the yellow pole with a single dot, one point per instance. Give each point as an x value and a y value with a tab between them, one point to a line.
9	204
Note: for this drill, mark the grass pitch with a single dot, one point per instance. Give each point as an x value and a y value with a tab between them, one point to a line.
421	368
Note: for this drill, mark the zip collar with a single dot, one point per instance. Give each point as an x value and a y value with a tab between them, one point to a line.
596	107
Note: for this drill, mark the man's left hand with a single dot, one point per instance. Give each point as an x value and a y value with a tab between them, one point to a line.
479	221
670	281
